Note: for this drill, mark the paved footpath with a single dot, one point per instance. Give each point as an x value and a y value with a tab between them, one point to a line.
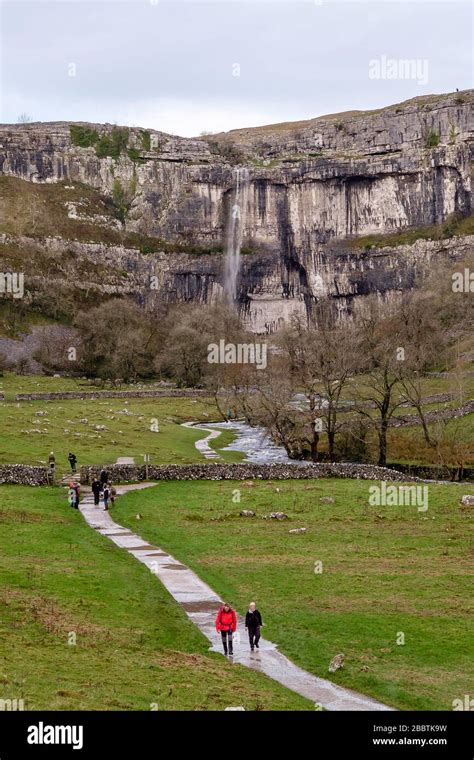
202	445
201	604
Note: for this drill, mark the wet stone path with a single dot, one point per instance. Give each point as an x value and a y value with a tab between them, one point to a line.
201	604
202	445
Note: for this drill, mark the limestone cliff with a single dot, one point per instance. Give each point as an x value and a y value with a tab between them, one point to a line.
315	188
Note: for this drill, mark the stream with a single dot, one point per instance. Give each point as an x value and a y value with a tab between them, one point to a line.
254	442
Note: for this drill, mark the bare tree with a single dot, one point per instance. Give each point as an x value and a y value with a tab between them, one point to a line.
381	355
322	363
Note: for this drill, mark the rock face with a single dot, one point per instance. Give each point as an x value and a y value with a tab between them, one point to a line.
313	187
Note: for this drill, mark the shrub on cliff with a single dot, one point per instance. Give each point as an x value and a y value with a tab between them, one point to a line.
228	150
146	140
432	139
83	137
113	143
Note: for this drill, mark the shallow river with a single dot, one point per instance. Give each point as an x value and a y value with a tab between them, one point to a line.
254	442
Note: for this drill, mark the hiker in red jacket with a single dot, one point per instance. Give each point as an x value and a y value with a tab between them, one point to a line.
226	623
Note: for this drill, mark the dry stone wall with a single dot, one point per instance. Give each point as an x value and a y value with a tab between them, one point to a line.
24	474
65	395
122	472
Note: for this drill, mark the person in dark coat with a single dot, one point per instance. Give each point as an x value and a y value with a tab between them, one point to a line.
104	477
72	461
96	489
253	623
226	623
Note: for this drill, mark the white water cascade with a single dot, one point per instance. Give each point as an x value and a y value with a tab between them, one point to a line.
235	229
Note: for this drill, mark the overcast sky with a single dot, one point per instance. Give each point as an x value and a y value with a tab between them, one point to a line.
186	67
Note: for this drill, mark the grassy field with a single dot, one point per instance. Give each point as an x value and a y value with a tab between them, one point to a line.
386	571
31	429
135	647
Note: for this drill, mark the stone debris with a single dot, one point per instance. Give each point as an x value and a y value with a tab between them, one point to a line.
247	513
467	500
327	500
278	516
336	663
297	530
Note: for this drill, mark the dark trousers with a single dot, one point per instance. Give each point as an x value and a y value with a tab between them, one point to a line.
227	638
254	636
96	498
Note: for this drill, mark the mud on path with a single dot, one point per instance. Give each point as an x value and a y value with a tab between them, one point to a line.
201	603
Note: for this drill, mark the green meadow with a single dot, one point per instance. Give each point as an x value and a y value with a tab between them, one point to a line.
84	626
392	588
100	430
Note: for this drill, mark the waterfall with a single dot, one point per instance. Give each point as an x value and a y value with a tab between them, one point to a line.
235	232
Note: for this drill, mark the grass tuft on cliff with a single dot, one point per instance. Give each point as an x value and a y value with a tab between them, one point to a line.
455	226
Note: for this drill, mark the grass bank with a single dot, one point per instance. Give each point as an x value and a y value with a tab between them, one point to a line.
389	574
134	648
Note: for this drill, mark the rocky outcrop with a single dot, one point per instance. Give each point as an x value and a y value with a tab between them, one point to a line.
340	274
313	187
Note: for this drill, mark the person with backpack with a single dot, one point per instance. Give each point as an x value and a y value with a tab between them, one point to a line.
72	461
96	489
106	496
226	623
253	623
104	477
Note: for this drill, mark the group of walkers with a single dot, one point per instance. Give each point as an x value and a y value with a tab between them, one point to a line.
226	625
52	463
102	486
226	620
